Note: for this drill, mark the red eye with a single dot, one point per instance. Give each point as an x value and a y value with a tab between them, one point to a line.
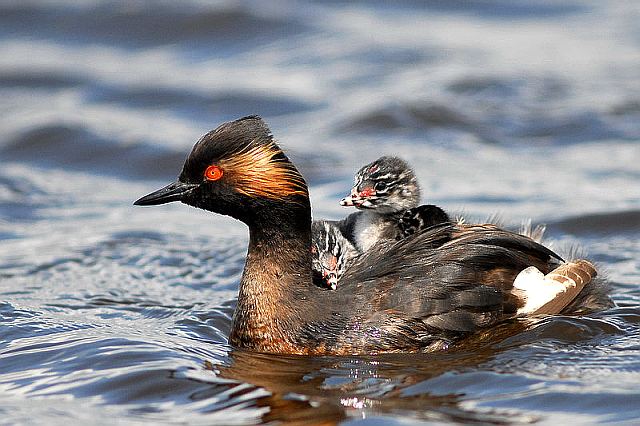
213	173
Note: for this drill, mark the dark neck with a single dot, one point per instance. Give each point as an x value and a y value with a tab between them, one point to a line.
276	280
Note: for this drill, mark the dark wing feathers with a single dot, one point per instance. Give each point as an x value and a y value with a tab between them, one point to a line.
488	234
462	321
446	276
428	290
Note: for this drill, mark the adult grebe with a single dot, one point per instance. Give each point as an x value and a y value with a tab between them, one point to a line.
419	295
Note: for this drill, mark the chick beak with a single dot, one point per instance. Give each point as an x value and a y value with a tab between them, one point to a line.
172	192
351	199
347	201
357	198
332	279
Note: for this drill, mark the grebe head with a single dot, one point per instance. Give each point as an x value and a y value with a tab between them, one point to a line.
387	185
331	253
238	170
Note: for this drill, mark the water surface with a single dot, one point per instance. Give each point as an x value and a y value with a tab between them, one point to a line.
115	314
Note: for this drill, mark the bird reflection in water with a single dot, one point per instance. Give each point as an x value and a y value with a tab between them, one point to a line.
327	390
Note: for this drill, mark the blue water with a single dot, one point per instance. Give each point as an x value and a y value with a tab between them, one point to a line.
114	314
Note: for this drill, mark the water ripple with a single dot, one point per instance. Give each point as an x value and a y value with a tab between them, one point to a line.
110	314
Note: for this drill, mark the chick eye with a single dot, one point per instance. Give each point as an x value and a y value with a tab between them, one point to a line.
213	173
380	186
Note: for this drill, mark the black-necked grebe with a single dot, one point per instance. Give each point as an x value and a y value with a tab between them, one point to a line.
419	295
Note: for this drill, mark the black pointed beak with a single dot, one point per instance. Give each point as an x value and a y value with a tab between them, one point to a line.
172	192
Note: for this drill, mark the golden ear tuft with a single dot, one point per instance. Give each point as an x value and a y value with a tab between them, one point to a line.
262	170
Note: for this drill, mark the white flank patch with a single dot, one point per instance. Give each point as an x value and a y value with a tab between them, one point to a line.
538	289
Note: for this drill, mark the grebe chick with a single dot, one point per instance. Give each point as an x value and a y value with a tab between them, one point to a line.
331	253
414	297
388	218
387	194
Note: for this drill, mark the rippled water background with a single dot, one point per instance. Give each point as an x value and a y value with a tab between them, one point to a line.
115	314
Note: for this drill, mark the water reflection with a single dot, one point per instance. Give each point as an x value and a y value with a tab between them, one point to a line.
326	390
